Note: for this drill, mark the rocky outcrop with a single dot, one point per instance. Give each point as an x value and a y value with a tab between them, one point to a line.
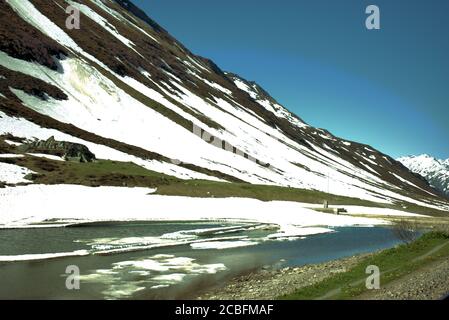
68	150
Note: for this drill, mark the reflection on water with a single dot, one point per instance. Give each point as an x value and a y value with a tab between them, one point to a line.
162	260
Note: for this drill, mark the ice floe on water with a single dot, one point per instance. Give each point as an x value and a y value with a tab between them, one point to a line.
213	238
161	286
201	239
43	256
171	278
111	243
220	245
193	234
170	263
126	278
291	231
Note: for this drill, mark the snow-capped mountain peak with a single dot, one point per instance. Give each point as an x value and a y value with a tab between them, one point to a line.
435	171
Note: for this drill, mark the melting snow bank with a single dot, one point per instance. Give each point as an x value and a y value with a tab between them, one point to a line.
43	256
25	206
361	210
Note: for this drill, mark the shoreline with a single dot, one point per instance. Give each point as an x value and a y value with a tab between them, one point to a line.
269	283
427	282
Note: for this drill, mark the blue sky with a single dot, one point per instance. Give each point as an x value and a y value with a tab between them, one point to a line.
388	88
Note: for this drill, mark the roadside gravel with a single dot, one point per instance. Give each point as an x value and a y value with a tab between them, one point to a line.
268	284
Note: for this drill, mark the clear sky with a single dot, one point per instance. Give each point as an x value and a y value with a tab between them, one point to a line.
388	88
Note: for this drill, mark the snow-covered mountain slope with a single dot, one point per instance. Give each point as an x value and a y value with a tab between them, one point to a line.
127	89
434	170
265	100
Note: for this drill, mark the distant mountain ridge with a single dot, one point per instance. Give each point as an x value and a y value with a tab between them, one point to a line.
435	171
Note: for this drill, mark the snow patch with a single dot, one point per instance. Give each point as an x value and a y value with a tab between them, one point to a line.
46	156
11	173
129	204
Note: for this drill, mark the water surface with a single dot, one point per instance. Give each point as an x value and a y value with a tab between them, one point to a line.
163	260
